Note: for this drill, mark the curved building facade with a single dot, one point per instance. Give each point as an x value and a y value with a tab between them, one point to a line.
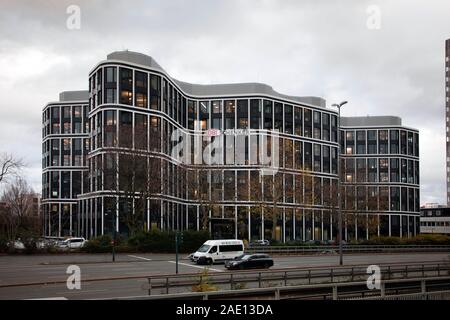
380	175
240	160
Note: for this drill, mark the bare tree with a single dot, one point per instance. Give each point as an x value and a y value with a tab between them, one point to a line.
9	166
196	183
16	215
133	177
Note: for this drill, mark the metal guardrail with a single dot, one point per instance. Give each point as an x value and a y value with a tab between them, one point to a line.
290	277
438	295
346	248
336	291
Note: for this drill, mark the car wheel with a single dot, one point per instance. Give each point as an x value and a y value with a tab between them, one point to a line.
241	267
266	266
209	261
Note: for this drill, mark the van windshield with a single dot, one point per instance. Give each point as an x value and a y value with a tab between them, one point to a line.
204	248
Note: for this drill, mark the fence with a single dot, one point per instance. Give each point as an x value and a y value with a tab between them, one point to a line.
416	287
347	249
289	277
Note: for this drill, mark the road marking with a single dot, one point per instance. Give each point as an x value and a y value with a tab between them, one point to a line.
140	258
82	291
51	298
190	265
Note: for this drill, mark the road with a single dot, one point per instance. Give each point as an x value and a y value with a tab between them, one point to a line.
22	269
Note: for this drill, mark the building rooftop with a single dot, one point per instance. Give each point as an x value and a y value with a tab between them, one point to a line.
371	121
209	90
80	95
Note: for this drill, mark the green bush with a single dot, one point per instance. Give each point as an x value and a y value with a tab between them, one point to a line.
100	244
3	245
422	239
192	240
389	241
163	241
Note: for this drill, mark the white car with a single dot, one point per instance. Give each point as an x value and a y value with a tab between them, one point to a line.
260	243
18	244
72	243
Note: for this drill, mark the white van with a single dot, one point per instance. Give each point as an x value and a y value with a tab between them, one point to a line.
213	251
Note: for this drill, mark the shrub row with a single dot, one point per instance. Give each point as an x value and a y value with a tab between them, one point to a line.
152	241
422	239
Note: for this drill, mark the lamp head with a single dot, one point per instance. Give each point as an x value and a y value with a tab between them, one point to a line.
339	105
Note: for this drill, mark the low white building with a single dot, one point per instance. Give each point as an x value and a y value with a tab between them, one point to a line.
435	219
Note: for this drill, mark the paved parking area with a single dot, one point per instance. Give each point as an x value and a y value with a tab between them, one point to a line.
22	269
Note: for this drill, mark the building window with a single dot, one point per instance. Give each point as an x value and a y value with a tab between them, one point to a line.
383	142
110	128
110	85
288	119
317	157
255	114
242	114
126	88
371	141
360	142
140	89
140	132
125	129
155	92
308	123
394	141
372	169
317	125
298	121
278	116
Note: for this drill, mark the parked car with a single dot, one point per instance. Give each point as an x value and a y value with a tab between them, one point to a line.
313	242
214	251
18	244
258	243
250	261
72	243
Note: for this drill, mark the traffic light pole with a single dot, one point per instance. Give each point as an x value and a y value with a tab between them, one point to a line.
114	240
176	252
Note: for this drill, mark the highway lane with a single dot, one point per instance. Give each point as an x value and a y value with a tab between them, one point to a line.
28	269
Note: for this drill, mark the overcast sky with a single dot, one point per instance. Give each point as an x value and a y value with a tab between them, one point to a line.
322	48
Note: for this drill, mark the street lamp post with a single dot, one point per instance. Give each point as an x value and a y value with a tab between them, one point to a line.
341	259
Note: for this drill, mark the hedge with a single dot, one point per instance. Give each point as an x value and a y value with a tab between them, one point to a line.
152	241
160	241
422	239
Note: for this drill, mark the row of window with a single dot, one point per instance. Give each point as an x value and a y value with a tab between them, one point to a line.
391	141
362	170
65	120
435	223
63	184
242	185
208	114
133	130
65	152
60	219
384	198
445	212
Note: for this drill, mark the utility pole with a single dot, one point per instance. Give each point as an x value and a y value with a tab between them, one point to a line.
341	258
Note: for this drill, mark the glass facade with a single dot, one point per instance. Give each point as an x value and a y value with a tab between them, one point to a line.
123	174
64	164
386	184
